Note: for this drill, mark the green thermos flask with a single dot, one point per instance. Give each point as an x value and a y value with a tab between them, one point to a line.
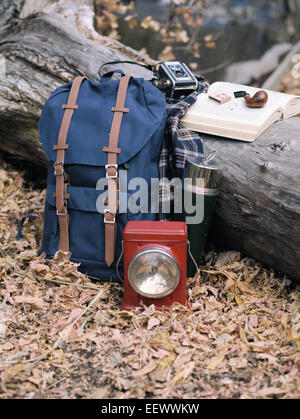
200	192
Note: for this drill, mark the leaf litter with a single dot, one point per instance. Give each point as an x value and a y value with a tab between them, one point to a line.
63	335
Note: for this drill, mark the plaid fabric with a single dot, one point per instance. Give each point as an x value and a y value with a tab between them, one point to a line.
179	143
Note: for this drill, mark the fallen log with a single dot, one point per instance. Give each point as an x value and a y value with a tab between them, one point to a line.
42	51
258	212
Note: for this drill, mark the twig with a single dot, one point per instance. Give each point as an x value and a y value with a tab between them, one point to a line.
56	281
193	38
71	283
64	334
56	383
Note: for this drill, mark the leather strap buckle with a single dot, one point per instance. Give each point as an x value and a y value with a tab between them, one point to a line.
113	176
61	165
106	221
62	214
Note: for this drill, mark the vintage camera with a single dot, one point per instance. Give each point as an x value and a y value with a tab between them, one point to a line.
175	79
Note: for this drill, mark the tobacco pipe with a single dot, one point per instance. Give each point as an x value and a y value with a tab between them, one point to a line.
257	101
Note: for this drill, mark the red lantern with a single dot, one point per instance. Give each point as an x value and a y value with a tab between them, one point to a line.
154	264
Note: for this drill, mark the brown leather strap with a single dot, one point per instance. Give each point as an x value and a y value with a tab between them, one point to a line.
123	110
111	150
112	171
61	186
75	107
61	147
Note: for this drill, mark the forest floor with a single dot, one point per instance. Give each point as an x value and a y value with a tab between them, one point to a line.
64	336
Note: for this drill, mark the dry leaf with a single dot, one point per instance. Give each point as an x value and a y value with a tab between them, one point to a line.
241	321
35	302
239	300
148	368
217	360
183	359
151	23
101	393
153	321
227	258
167	54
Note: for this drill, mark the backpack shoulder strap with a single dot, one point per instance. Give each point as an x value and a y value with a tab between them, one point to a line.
112	171
61	147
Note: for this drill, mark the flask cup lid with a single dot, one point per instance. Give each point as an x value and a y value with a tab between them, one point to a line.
202	172
204	162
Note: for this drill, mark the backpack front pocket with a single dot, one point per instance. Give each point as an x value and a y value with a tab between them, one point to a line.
86	225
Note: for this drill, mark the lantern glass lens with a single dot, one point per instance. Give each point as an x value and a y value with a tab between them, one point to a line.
154	273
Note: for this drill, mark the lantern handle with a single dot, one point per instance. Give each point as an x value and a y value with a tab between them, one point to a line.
191	256
118	263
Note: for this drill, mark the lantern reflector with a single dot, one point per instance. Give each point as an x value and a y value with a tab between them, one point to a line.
154	273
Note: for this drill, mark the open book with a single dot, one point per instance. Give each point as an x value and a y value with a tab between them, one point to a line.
234	119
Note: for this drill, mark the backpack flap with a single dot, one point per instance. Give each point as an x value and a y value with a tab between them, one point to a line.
90	126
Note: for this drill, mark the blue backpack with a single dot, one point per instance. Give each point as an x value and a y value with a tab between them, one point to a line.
91	131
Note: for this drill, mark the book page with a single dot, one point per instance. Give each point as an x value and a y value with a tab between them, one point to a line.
222	131
229	114
292	108
276	116
235	111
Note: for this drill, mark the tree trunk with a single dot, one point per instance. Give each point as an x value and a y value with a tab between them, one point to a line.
43	51
258	212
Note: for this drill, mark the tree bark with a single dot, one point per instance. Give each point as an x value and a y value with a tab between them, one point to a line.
42	51
258	212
